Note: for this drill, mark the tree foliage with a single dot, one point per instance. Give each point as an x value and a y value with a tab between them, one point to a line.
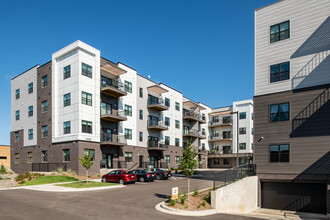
188	160
87	162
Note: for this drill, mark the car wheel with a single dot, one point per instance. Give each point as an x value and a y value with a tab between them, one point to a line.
104	180
158	177
121	181
141	179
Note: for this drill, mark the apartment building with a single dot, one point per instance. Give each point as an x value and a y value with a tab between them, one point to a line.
81	103
291	105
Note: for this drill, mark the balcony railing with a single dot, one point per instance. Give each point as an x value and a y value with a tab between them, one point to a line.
158	104
113	115
157	145
223	122
113	139
115	89
193	133
188	115
158	125
221	137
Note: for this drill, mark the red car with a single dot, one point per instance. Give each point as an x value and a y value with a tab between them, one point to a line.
120	176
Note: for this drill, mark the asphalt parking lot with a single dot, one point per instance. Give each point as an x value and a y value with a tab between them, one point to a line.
135	201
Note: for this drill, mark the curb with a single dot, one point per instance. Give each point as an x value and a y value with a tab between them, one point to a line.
68	189
163	208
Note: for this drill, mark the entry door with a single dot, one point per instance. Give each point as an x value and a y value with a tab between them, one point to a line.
151	162
109	161
141	161
156	162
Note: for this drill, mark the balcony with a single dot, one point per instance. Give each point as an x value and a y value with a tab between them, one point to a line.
113	115
113	89
227	137
156	145
201	151
221	123
157	104
114	139
194	116
157	125
193	133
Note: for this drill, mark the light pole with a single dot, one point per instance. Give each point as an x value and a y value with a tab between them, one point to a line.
237	136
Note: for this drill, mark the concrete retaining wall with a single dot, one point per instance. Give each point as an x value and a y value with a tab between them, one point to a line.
238	197
6	183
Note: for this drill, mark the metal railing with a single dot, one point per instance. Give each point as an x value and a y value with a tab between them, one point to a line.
196	115
115	138
157	101
309	67
47	167
193	132
221	137
310	109
113	84
223	178
113	112
157	144
152	123
221	122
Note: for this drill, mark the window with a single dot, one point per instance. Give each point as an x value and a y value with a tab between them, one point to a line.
279	153
128	133
242	130
203	131
242	146
177	142
215	133
226	161
141	93
167	159
279	72
67	127
30	110
167	121
17	115
16	158
16	136
86	127
242	115
128	86
44	155
128	157
252	116
141	114
177	106
167	140
167	102
215	119
203	161
177	160
66	72
17	93
140	136
279	112
106	109
67	99
30	157
91	153
44	81
128	110
86	98
44	131
177	124
279	31
30	88
251	131
30	134
66	155
203	146
216	162
86	70
44	106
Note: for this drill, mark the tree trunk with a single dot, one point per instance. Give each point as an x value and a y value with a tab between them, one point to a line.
87	176
188	188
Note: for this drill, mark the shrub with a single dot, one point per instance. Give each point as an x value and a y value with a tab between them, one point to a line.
2	169
19	178
59	170
172	168
176	170
182	200
198	206
171	202
1	178
195	192
203	203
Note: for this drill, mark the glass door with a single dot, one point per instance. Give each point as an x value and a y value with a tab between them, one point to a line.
151	162
109	161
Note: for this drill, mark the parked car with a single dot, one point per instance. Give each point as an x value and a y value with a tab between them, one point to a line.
168	172
143	175
160	174
120	176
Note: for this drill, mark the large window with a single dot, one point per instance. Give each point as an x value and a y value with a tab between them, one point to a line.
167	159
279	112
128	133
17	93
106	109
141	114
167	121
177	124
44	156
177	106
67	99
86	127
242	130
91	153
17	115
279	153
128	157
66	155
16	136
280	31
86	98
44	131
29	157
279	72
167	140
44	81
141	92
128	110
242	115
86	70
44	106
167	102
30	134
30	88
203	131
30	111
177	142
67	72
216	161
128	86
242	146
226	161
140	136
177	160
67	127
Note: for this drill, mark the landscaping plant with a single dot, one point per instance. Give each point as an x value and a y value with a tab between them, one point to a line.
196	192
87	162
2	169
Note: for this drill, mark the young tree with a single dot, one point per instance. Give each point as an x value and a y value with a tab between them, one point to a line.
87	162
188	162
2	169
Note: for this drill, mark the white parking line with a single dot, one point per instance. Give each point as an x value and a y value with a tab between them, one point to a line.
141	183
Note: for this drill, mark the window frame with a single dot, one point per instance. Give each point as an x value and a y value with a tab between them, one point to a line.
30	134
177	142
17	115
279	112
88	71
177	106
279	72
67	99
30	88
128	134
177	124
66	158
279	31
66	72
140	136
17	136
67	127
30	111
86	98
17	93
30	157
141	92
167	121
242	130
86	127
44	156
44	81
44	106
128	110
240	114
128	86
88	152
44	131
128	157
279	153
240	146
141	114
167	102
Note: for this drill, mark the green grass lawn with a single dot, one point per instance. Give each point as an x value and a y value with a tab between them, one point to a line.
49	179
83	184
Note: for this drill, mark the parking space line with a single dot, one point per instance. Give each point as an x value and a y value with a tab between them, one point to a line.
141	183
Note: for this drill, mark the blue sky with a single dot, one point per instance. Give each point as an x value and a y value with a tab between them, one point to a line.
204	48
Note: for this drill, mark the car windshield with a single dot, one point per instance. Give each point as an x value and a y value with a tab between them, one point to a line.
130	172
